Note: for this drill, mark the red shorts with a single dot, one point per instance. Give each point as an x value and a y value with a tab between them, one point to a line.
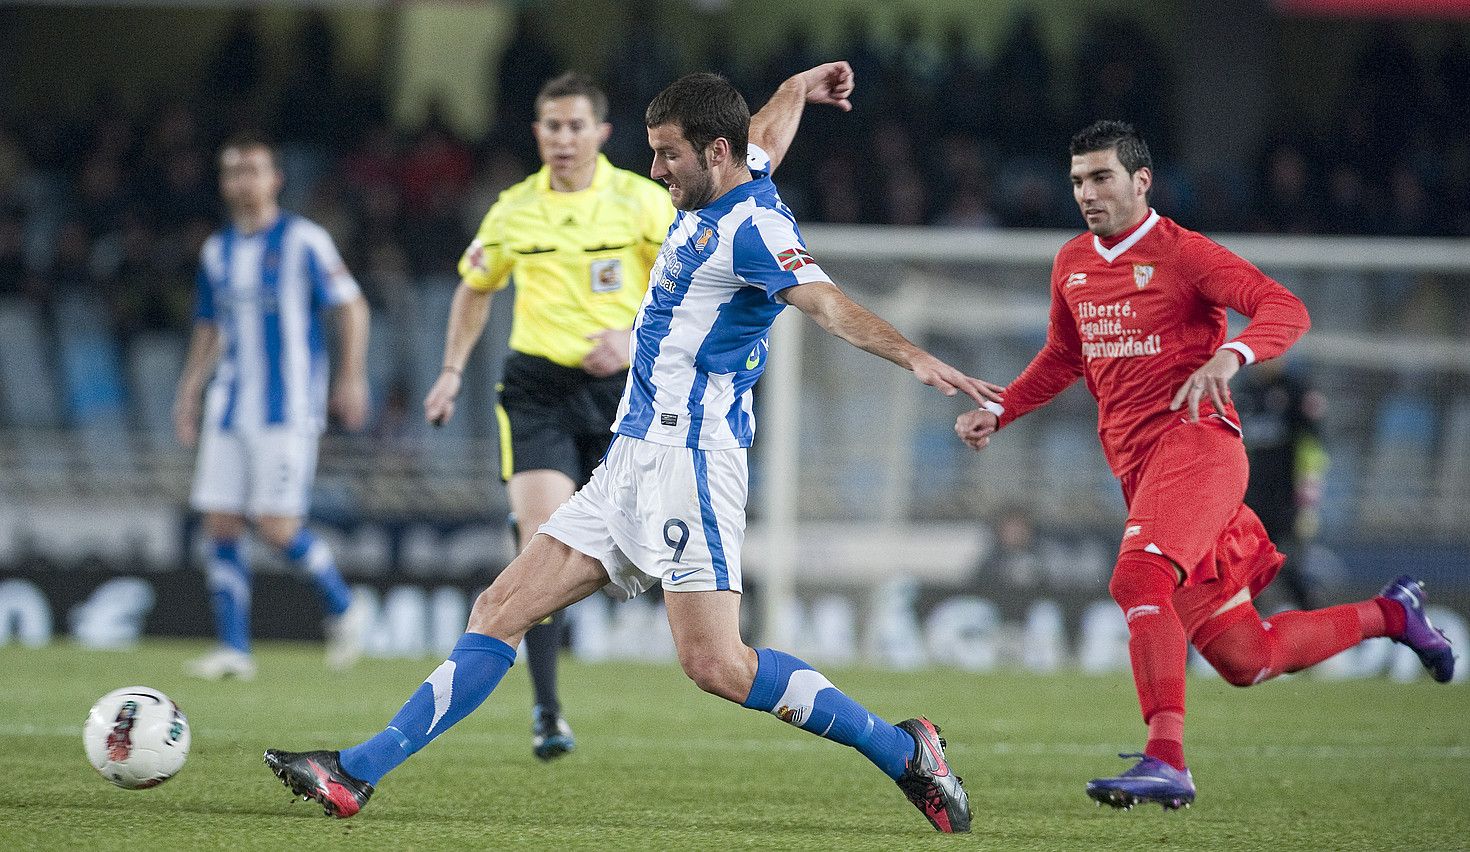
1185	502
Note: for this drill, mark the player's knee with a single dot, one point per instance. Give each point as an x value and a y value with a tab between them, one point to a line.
716	673
489	615
278	532
1239	673
1141	578
483	606
505	611
223	527
1118	586
1239	663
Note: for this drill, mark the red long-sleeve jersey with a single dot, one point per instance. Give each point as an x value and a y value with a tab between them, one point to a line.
1137	319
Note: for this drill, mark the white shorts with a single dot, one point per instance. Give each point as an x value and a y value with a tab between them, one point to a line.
255	473
653	512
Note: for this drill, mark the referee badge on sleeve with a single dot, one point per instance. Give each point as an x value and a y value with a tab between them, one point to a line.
474	256
607	275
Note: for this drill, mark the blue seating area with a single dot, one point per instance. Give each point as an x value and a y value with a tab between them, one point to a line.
83	408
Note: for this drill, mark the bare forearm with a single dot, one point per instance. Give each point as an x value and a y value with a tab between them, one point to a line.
866	330
352	336
199	363
468	314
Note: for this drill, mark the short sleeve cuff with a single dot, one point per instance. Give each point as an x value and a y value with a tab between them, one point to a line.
1245	352
757	160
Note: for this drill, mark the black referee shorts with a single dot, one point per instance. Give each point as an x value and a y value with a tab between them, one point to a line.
554	417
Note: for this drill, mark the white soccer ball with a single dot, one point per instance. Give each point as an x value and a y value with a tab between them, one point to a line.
136	737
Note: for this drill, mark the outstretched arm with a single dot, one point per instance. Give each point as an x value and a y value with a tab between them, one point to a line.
774	126
840	316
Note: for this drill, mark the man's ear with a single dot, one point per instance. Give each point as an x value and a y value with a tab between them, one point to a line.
717	153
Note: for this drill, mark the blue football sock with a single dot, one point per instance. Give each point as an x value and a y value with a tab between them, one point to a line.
312	554
228	579
452	692
796	693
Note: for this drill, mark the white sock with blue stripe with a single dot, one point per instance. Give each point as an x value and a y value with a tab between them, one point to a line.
797	694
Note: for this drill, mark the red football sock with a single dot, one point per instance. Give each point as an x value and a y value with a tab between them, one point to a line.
1143	585
1390	612
1166	738
1251	651
1305	639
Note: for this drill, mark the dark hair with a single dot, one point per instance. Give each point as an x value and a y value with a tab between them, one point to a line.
570	85
1120	135
706	107
248	140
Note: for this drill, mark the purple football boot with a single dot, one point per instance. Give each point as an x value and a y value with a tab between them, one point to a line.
1150	780
1424	638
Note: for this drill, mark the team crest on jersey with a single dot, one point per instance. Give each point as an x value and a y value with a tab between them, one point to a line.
793	259
607	275
1142	274
703	240
1077	278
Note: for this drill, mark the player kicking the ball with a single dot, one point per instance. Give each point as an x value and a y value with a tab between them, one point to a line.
667	505
1138	308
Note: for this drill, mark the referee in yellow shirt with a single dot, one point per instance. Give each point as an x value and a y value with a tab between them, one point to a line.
578	237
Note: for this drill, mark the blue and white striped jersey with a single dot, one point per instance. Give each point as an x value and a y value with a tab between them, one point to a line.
700	340
266	292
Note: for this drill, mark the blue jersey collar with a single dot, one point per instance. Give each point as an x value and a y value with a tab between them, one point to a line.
749	189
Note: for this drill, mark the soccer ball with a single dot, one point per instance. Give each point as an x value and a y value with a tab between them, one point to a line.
136	737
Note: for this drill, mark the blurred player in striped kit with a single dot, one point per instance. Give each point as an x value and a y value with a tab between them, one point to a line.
265	281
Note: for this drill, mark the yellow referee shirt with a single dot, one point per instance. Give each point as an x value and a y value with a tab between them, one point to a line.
580	260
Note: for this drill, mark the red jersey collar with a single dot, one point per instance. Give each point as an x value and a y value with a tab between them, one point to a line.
1111	253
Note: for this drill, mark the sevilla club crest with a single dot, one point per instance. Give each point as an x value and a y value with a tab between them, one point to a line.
1142	274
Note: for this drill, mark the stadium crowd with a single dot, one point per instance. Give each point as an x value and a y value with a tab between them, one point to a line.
112	202
119	200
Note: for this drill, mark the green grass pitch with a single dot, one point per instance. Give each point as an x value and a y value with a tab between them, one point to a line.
1300	763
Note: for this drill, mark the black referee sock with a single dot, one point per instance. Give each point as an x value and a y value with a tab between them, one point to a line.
543	643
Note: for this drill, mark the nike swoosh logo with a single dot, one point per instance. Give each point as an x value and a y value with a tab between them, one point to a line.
152	698
675	577
935	756
1412	597
340	797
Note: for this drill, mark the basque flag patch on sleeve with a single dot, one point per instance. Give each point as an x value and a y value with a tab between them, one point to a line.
793	259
